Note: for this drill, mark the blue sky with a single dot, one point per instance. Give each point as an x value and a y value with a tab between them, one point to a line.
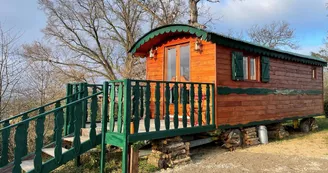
307	17
23	16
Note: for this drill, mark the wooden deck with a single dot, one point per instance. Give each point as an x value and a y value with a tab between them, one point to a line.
142	128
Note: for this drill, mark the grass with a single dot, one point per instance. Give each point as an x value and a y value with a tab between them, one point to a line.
90	163
91	160
322	122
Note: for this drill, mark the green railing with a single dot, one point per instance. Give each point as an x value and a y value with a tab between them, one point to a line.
135	110
67	117
132	110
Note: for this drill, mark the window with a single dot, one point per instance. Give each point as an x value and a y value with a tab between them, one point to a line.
250	68
178	63
185	62
314	73
171	64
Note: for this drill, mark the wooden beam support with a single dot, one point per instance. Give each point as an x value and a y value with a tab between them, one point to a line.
134	160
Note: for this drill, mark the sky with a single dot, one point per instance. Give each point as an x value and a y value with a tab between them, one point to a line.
308	18
23	16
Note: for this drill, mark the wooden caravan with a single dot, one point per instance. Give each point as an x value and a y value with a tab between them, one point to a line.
197	81
253	84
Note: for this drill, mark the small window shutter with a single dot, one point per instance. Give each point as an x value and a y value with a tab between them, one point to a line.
265	69
237	66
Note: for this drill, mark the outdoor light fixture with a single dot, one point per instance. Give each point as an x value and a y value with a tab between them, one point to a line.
198	45
152	52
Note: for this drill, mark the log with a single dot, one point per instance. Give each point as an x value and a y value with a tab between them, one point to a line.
175	162
252	142
250	134
278	134
173	154
174	145
178	157
250	129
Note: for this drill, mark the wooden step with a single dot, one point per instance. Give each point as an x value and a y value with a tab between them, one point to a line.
86	131
51	151
27	165
71	139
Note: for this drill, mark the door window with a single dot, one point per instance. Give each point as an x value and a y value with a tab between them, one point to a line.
184	63
171	64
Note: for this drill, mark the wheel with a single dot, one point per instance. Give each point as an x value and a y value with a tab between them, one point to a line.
313	124
305	125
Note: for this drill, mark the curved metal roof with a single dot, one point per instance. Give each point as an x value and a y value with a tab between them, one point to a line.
226	41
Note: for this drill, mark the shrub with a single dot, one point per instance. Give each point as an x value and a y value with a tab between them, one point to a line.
326	108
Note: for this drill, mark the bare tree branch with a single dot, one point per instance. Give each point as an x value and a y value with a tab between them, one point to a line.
10	67
274	35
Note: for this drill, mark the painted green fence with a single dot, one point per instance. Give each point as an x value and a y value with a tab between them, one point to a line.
68	115
136	110
132	110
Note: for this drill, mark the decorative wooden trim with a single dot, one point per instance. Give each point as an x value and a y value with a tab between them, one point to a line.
264	122
265	91
229	42
168	29
216	98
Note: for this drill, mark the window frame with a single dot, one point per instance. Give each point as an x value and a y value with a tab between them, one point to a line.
314	74
257	68
177	46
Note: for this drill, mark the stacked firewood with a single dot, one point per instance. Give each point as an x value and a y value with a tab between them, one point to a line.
277	131
169	152
250	136
231	139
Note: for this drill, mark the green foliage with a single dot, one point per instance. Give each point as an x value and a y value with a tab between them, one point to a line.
91	161
322	123
144	167
326	108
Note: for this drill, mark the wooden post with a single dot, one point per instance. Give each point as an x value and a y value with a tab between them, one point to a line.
296	124
104	127
134	155
134	159
127	121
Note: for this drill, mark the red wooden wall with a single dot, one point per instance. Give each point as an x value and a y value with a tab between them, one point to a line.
242	108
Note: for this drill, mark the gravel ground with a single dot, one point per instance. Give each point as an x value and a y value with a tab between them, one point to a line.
305	153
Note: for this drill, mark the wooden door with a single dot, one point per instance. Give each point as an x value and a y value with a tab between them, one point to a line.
177	68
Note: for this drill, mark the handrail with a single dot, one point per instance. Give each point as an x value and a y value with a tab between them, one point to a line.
161	81
48	112
34	109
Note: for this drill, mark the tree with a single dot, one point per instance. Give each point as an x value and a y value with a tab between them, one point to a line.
163	12
10	68
274	35
58	60
95	34
170	11
194	14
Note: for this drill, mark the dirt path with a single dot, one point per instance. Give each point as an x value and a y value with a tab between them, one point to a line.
307	153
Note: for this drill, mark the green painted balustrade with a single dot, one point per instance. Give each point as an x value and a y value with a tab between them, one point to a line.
132	110
170	108
135	110
158	106
69	115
